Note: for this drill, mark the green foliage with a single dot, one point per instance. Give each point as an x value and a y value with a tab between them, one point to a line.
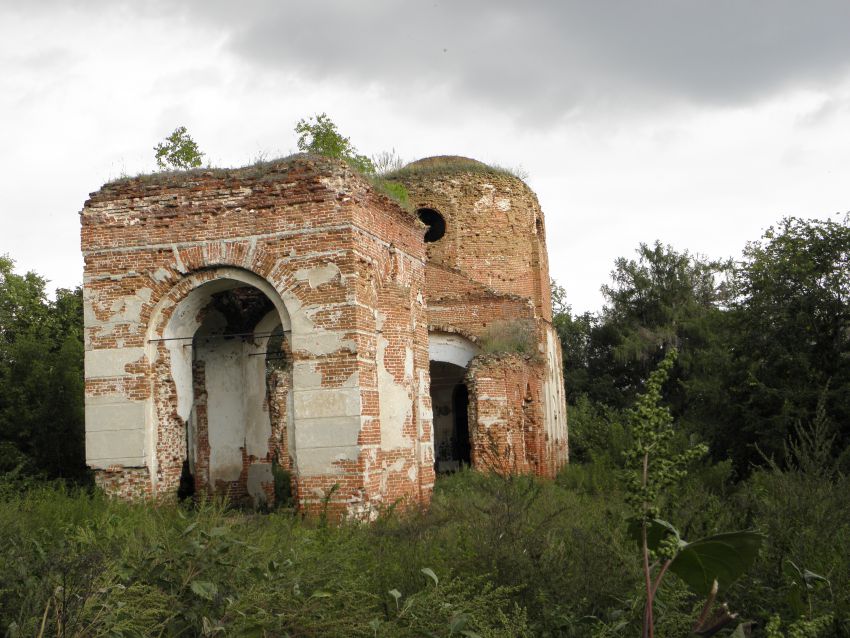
503	556
790	335
178	151
387	162
318	134
597	432
394	190
453	165
652	462
820	627
653	466
41	377
655	299
759	341
283	493
102	567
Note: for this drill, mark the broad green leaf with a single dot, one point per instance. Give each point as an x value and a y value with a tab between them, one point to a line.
724	557
740	632
204	588
657	531
395	594
430	574
811	579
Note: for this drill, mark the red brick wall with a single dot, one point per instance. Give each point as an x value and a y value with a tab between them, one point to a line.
507	432
148	242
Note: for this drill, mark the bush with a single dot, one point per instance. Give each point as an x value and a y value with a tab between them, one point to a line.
515	336
510	556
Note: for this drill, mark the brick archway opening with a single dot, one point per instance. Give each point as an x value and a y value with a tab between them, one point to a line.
450	403
223	388
449	355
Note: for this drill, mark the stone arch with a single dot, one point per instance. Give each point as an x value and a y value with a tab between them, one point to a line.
175	403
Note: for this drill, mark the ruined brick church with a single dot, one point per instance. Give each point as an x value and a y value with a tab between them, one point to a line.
290	318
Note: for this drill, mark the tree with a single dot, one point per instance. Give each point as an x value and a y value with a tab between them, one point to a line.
178	150
318	134
41	376
789	335
662	299
656	300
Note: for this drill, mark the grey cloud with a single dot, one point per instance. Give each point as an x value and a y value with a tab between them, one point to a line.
552	56
542	59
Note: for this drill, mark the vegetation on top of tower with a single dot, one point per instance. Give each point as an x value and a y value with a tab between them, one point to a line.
319	134
450	164
178	151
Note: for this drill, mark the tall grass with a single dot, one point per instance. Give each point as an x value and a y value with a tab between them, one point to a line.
493	556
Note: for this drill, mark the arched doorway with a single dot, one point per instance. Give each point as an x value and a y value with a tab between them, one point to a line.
449	356
224	369
450	403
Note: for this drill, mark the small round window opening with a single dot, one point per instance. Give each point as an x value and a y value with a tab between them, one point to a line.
435	223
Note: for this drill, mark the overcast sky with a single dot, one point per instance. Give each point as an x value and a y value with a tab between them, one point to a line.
693	122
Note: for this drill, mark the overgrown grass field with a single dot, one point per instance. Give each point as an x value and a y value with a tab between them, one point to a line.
493	556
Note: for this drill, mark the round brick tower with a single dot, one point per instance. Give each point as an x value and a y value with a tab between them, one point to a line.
490	317
484	224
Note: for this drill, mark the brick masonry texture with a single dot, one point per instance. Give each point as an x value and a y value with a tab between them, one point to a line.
188	277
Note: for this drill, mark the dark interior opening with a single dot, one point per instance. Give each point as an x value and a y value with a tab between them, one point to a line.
460	407
435	223
450	402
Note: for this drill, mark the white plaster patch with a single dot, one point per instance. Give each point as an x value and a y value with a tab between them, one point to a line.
327	402
258	428
305	375
395	404
425	410
408	363
353	381
110	447
118	414
129	309
489	421
554	399
503	204
319	275
225	409
451	348
397	466
161	274
324	460
486	200
179	265
327	432
312	339
110	362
